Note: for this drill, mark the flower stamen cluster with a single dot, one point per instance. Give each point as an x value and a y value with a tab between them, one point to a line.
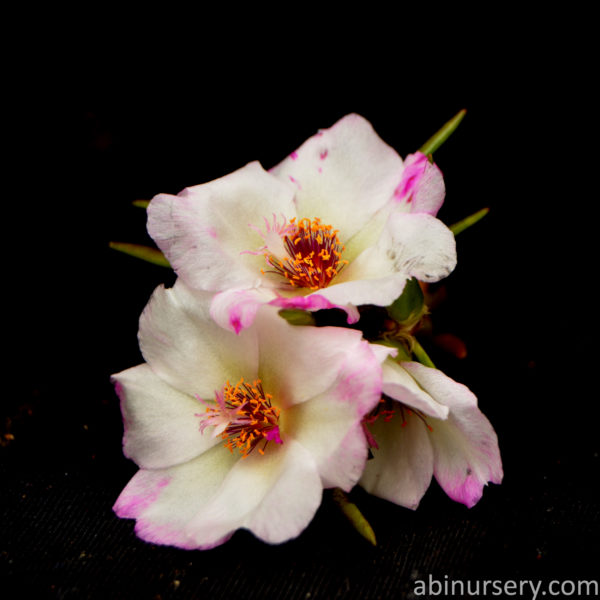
314	255
244	417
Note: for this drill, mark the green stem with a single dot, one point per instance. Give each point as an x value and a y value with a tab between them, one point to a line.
421	355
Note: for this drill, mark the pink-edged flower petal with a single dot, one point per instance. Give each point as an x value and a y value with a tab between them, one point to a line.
421	189
186	348
199	504
210	233
465	446
165	501
161	424
343	175
330	426
402	466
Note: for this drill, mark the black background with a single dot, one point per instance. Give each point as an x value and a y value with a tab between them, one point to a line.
92	134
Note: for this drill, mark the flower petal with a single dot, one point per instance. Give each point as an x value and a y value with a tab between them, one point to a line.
465	445
421	189
343	175
379	291
188	350
278	500
298	363
161	426
209	232
201	503
165	501
401	468
400	385
411	245
329	425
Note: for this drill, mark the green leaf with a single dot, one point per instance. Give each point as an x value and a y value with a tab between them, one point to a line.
151	255
141	203
353	514
297	317
409	306
467	222
437	139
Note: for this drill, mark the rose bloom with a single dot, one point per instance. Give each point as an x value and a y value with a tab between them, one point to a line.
240	431
428	425
342	221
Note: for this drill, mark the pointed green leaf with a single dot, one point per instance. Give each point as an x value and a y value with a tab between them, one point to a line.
409	306
467	222
438	138
141	203
151	255
353	514
421	355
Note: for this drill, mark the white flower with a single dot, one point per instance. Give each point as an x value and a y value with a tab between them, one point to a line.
429	425
341	222
239	431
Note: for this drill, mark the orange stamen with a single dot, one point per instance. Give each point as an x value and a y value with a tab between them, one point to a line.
314	255
250	414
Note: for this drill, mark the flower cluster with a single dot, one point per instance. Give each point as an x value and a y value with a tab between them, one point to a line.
240	418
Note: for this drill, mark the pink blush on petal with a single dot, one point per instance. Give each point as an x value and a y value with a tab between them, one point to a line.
235	320
410	178
235	310
468	491
130	506
169	536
